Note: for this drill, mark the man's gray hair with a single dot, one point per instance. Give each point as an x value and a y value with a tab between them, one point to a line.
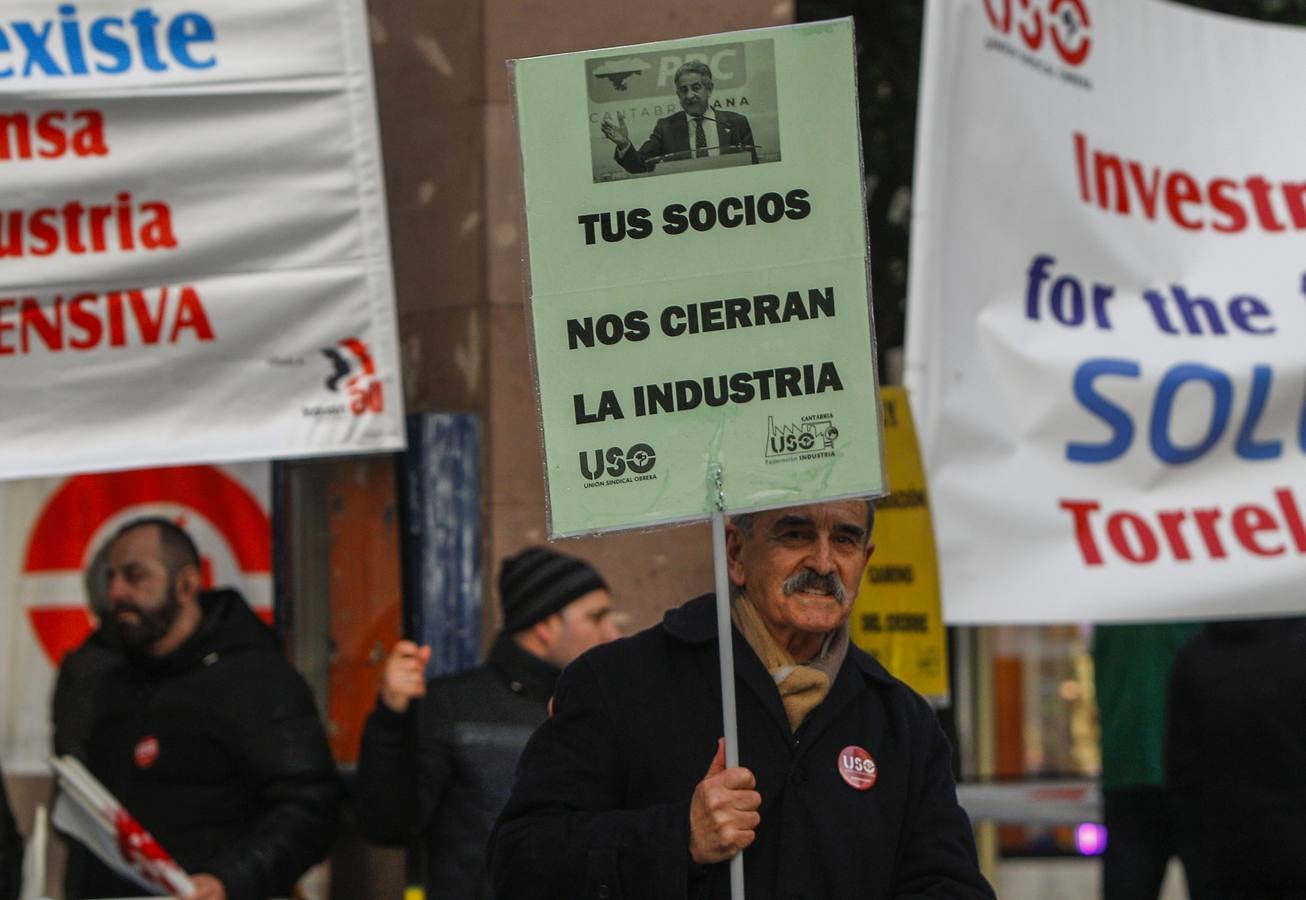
701	68
744	521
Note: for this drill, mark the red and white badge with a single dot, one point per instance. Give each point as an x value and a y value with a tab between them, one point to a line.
857	768
147	752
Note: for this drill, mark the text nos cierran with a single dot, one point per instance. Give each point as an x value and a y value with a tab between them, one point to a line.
702	317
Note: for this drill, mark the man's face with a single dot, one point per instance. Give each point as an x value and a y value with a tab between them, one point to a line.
694	94
583	623
801	567
142	597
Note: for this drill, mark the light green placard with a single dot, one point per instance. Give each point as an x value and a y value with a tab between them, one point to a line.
699	303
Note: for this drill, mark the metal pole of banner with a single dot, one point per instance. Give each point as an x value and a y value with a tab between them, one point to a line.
410	627
726	649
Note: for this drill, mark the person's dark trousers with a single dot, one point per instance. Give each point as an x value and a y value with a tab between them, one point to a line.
1143	830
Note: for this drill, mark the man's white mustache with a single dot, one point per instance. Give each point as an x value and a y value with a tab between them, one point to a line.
808	579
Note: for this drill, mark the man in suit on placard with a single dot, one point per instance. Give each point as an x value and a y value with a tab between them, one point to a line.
697	131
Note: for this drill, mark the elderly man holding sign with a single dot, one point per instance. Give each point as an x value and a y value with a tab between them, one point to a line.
845	786
742	747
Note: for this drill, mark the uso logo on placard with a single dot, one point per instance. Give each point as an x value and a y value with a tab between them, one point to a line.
617	465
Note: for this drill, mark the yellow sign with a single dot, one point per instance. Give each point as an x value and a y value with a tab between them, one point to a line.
897	615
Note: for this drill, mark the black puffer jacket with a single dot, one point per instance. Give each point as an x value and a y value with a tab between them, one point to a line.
216	748
467	734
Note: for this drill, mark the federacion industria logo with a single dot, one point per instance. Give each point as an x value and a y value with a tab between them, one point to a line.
812	437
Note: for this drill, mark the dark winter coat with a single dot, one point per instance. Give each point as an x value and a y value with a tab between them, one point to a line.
1236	754
601	804
216	749
466	735
11	849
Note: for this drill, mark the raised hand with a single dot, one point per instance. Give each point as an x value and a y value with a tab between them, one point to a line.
616	131
404	676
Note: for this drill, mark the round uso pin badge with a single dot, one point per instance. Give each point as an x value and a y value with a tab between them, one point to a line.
857	768
147	752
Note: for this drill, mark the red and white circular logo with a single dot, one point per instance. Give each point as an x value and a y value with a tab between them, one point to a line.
229	523
857	768
147	752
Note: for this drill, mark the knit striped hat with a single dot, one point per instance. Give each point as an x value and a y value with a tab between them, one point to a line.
538	582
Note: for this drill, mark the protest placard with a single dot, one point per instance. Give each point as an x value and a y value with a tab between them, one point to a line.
699	302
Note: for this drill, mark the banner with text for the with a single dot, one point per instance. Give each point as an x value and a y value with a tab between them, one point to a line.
698	276
194	264
1108	310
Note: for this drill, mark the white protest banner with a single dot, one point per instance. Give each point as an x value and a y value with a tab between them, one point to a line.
1106	310
699	303
194	263
86	810
50	531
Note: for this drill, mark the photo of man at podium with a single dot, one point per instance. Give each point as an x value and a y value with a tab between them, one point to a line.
697	137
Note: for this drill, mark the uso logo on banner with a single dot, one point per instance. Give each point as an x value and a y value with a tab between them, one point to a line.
1062	24
228	523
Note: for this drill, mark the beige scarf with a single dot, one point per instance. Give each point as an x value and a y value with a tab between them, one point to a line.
802	685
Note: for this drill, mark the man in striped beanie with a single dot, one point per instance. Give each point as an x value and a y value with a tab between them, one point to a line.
446	783
556	606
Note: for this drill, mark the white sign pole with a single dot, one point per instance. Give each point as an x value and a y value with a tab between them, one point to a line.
726	650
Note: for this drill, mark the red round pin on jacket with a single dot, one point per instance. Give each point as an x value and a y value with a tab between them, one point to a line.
147	751
857	768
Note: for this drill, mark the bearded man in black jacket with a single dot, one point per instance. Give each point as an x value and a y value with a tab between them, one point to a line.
192	717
